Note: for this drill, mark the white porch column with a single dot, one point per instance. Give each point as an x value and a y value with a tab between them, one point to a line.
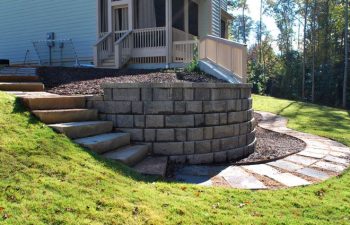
186	19
131	14
169	30
110	24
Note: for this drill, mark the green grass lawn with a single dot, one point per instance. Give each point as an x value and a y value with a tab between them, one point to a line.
46	179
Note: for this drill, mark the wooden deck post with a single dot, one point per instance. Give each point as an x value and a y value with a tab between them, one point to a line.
169	30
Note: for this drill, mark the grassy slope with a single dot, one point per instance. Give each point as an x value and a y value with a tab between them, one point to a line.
45	179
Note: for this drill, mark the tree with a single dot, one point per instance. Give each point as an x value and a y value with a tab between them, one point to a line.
346	49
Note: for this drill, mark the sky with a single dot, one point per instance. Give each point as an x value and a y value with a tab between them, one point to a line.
254	12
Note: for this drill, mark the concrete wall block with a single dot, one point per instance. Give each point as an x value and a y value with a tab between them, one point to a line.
203	147
223	118
208	133
99	105
180	121
167	94
212	119
250	103
250	114
107	94
180	134
188	94
202	94
123	107
245	104
214	106
201	158
243	128
103	117
251	137
216	145
168	148
154	121
221	94
178	159
223	131
146	94
220	157
242	140
199	120
150	135
125	121
165	135
126	94
245	92
236	130
239	105
180	107
111	117
231	105
137	107
235	117
195	134
235	154
189	148
110	107
139	121
229	143
159	107
194	107
135	134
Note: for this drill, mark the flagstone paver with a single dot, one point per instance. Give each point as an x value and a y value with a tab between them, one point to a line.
320	160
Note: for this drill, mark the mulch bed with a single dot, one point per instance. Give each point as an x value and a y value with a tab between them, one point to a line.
272	145
86	81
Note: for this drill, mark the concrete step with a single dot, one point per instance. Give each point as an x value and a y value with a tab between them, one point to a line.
105	142
83	129
54	102
66	115
18	78
21	86
152	166
129	155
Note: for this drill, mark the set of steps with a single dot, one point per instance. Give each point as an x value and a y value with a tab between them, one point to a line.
20	79
109	62
68	115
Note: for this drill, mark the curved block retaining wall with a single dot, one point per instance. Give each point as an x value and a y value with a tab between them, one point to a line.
195	123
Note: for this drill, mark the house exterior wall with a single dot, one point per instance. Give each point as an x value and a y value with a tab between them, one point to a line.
216	18
24	21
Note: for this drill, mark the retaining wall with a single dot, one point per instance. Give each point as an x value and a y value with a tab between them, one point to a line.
195	123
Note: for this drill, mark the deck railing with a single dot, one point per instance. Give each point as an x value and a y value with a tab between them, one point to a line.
227	54
104	48
123	49
184	51
150	37
118	34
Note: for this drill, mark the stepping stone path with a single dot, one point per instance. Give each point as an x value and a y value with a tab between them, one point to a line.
320	160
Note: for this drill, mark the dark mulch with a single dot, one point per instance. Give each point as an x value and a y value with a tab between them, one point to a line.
75	81
272	145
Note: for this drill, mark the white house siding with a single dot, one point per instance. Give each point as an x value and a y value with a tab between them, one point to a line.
216	18
224	4
24	21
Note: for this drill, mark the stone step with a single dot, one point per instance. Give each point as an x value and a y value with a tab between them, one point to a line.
54	102
129	155
22	86
105	142
76	130
66	115
152	166
18	78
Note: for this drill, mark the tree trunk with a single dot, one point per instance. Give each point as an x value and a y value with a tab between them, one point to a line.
346	43
313	52
304	50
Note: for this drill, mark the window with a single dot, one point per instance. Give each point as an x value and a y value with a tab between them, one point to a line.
178	14
193	18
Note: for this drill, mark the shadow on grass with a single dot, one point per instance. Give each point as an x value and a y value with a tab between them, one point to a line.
19	108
